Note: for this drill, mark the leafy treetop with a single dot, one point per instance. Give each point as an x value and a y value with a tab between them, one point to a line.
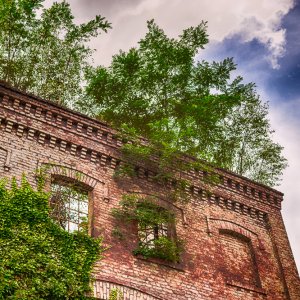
183	106
43	51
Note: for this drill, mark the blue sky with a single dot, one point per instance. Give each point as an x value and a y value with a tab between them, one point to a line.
263	36
252	58
286	80
280	86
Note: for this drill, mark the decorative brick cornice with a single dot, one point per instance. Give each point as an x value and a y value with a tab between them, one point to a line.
17	109
44	138
107	160
61	120
233	205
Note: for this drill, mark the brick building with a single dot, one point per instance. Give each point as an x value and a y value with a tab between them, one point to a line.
236	246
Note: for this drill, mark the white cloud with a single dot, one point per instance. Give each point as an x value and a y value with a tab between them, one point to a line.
254	19
287	133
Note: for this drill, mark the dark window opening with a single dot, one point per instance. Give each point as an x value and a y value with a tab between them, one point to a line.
148	234
156	234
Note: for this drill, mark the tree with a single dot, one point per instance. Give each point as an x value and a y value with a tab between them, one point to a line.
48	54
39	260
184	106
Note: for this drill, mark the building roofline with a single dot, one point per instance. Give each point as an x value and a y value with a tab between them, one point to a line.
6	85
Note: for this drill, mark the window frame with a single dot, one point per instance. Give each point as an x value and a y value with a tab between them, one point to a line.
171	235
79	187
165	227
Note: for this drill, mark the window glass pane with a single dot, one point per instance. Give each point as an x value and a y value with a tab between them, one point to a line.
73	216
148	234
83	207
163	230
69	207
74	204
83	217
72	227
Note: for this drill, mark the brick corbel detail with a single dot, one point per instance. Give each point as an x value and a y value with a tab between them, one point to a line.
7	159
62	118
107	160
48	170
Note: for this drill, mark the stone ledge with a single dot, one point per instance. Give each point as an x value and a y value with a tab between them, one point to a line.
247	287
89	128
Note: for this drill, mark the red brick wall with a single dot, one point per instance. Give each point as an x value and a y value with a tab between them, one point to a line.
236	245
238	262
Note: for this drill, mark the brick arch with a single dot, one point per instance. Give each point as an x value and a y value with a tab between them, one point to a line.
54	170
103	288
226	225
236	242
165	203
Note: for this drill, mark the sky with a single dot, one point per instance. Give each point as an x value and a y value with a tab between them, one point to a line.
263	37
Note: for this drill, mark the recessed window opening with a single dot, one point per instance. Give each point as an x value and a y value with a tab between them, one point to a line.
148	234
156	232
69	205
238	248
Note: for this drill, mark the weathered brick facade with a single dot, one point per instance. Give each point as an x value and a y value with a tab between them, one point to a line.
236	246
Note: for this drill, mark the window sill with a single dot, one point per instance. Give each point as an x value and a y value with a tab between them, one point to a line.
175	266
246	287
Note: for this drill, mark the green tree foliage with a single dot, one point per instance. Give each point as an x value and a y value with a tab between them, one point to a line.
187	106
147	214
43	51
39	260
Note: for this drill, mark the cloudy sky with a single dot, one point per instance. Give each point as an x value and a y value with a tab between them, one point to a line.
263	36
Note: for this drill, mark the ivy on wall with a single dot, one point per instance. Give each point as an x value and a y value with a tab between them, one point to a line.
40	260
148	215
116	294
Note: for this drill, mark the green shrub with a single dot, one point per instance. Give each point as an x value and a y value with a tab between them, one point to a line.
39	260
148	215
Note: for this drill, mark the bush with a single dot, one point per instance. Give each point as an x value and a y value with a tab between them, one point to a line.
39	260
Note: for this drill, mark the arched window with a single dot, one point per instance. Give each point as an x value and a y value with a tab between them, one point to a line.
239	258
69	204
156	232
149	234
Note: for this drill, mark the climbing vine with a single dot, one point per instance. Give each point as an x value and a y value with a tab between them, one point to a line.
40	260
155	225
116	294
